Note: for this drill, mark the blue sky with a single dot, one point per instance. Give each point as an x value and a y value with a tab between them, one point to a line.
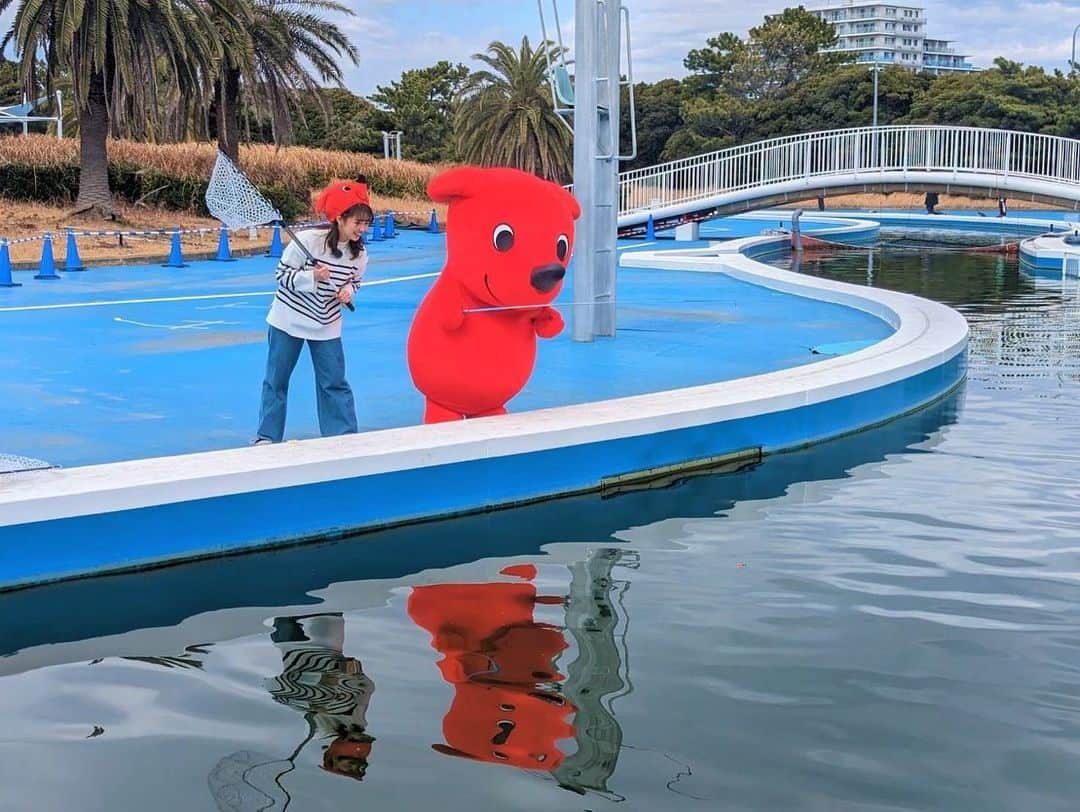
394	35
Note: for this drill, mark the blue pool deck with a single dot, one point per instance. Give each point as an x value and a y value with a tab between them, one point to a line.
142	384
145	361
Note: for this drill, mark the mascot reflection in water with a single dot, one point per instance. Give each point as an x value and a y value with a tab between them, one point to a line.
506	707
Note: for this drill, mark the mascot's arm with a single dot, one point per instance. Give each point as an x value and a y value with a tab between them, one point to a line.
548	323
451	309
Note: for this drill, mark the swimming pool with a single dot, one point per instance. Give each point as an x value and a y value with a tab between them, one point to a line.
886	620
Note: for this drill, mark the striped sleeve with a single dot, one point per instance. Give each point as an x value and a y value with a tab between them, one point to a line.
294	271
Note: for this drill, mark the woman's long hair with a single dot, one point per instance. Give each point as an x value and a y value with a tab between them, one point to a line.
333	236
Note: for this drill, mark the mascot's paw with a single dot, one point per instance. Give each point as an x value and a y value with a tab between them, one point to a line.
549	323
453	320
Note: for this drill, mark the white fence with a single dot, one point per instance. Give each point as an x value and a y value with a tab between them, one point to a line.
864	151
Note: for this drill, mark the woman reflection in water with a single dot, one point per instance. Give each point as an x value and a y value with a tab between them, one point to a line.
329	688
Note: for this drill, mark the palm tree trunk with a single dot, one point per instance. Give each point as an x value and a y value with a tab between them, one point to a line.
94	192
228	114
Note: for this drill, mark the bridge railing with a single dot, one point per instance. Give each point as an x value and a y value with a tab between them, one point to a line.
850	152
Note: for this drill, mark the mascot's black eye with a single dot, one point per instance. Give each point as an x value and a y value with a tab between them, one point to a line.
503	237
562	246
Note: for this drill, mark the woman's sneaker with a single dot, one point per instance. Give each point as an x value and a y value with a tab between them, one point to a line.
262	441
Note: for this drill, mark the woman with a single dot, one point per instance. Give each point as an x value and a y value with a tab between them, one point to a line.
307	308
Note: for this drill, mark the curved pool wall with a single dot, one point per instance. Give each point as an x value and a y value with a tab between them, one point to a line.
74	522
1050	256
963	223
848	229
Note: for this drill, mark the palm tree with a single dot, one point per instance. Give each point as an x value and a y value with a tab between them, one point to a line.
505	116
267	61
114	51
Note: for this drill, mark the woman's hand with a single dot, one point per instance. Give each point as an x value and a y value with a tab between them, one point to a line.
345	294
322	273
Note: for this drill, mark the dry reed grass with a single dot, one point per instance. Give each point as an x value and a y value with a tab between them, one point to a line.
292	167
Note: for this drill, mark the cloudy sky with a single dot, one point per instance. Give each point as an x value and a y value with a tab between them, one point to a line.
394	35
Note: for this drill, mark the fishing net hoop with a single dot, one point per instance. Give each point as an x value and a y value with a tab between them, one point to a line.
234	200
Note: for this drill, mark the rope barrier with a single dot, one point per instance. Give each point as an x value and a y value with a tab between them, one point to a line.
811	242
175	258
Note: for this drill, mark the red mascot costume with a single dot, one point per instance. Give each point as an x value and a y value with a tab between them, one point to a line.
497	658
509	236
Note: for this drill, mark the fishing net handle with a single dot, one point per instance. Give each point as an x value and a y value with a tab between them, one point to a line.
300	244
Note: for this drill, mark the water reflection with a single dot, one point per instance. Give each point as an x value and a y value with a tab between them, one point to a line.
329	688
507	706
332	693
1022	327
511	705
597	619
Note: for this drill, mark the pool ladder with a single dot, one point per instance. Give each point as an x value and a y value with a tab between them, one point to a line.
562	85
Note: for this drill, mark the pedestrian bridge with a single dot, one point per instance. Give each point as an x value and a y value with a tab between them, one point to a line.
956	160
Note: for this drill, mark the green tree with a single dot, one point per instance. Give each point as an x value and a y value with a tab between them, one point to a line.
1007	96
114	51
506	116
842	97
736	86
10	87
421	105
354	124
659	116
783	50
717	65
268	61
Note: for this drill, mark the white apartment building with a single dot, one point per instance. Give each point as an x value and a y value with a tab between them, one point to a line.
890	35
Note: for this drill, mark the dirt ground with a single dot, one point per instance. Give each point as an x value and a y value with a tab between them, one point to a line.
19	221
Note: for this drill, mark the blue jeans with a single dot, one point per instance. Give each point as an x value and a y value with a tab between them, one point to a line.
337	412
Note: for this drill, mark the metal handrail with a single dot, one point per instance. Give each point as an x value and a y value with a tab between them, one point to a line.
891	148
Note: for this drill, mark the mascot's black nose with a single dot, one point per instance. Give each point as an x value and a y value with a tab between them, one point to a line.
546	277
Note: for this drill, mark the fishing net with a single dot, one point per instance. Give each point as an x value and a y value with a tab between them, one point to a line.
14	464
234	200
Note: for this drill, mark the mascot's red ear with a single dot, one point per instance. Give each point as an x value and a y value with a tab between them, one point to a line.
455	183
572	205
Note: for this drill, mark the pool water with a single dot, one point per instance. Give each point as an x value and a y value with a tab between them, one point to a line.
886	621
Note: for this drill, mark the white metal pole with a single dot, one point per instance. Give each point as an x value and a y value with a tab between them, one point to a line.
607	205
876	136
586	115
875	92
